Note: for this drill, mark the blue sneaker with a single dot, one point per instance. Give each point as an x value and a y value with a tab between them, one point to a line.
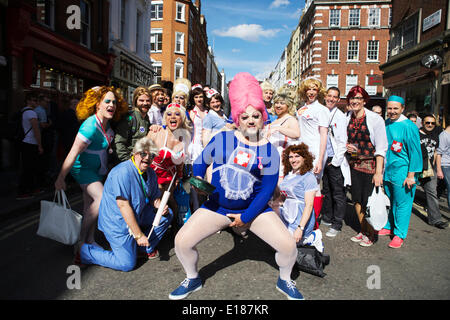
288	289
186	287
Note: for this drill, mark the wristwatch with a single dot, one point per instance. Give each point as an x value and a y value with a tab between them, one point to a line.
137	237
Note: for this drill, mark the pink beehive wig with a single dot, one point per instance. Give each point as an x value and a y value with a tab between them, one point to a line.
245	91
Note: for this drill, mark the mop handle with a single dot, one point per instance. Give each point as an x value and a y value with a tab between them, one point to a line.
162	204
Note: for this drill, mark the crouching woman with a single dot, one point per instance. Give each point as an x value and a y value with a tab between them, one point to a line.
127	210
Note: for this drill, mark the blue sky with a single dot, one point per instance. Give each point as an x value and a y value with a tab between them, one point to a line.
250	35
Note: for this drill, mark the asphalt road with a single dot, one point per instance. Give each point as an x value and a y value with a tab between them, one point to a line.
33	267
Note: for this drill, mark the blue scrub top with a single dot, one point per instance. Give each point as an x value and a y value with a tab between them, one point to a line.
124	181
404	153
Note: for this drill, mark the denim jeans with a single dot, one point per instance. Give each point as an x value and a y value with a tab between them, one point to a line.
446	171
430	187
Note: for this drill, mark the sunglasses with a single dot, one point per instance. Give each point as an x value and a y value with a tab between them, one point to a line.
433	123
144	154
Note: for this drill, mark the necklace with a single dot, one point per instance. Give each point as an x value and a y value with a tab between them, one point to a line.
106	136
357	123
141	179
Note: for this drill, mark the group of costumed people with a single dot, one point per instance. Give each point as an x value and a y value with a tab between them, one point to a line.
265	161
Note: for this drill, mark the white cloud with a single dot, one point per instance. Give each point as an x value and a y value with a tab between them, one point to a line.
247	32
235	50
279	3
260	69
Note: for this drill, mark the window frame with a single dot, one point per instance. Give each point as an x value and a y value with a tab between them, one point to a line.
338	17
183	12
347	86
369	50
84	23
333	84
159	9
350	17
335	49
377	16
181	51
352	49
153	32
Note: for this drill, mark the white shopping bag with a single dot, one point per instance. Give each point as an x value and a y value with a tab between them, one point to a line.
58	221
377	210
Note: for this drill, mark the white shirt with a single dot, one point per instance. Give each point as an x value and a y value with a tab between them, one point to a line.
312	117
338	135
27	127
154	115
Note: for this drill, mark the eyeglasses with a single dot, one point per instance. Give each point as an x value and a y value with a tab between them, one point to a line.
433	123
144	154
357	98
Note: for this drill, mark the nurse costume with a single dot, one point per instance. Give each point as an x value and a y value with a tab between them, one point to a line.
92	164
294	187
196	146
125	181
404	155
244	176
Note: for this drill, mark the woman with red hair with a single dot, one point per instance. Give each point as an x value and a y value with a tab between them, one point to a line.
245	174
88	157
366	149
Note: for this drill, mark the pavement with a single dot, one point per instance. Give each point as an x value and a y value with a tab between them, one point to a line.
233	269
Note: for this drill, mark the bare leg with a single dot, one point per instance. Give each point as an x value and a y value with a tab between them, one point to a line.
92	195
202	224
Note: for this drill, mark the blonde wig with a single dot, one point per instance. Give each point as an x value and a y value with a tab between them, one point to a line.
308	82
182	86
287	94
185	123
91	98
266	85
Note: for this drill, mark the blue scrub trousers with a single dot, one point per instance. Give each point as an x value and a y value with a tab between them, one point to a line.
401	207
124	248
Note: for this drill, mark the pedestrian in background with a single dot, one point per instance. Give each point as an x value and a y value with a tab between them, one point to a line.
403	163
126	214
443	159
378	110
429	139
30	150
268	92
366	151
134	126
87	160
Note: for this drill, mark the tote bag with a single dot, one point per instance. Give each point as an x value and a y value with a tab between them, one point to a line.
58	221
377	210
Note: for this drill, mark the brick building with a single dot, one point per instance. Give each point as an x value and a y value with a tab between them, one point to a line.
343	43
179	42
419	66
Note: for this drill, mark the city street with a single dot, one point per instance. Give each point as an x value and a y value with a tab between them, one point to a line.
232	269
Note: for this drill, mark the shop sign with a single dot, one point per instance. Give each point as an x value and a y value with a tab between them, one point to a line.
432	20
374	80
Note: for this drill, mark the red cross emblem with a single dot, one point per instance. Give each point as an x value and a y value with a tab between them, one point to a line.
242	158
396	146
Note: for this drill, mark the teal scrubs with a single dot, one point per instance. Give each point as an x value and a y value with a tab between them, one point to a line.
91	164
403	155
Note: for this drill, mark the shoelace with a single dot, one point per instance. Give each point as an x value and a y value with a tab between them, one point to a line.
185	283
291	285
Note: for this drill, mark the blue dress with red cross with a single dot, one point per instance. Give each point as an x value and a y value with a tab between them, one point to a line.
245	176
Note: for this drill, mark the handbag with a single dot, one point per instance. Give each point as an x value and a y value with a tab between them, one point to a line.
311	261
377	210
428	172
58	221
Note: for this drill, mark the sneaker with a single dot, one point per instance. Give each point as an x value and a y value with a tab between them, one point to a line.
332	233
441	224
366	242
325	223
289	289
396	242
25	196
186	287
384	232
153	255
357	238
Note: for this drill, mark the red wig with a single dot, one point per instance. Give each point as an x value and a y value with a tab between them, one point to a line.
355	90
